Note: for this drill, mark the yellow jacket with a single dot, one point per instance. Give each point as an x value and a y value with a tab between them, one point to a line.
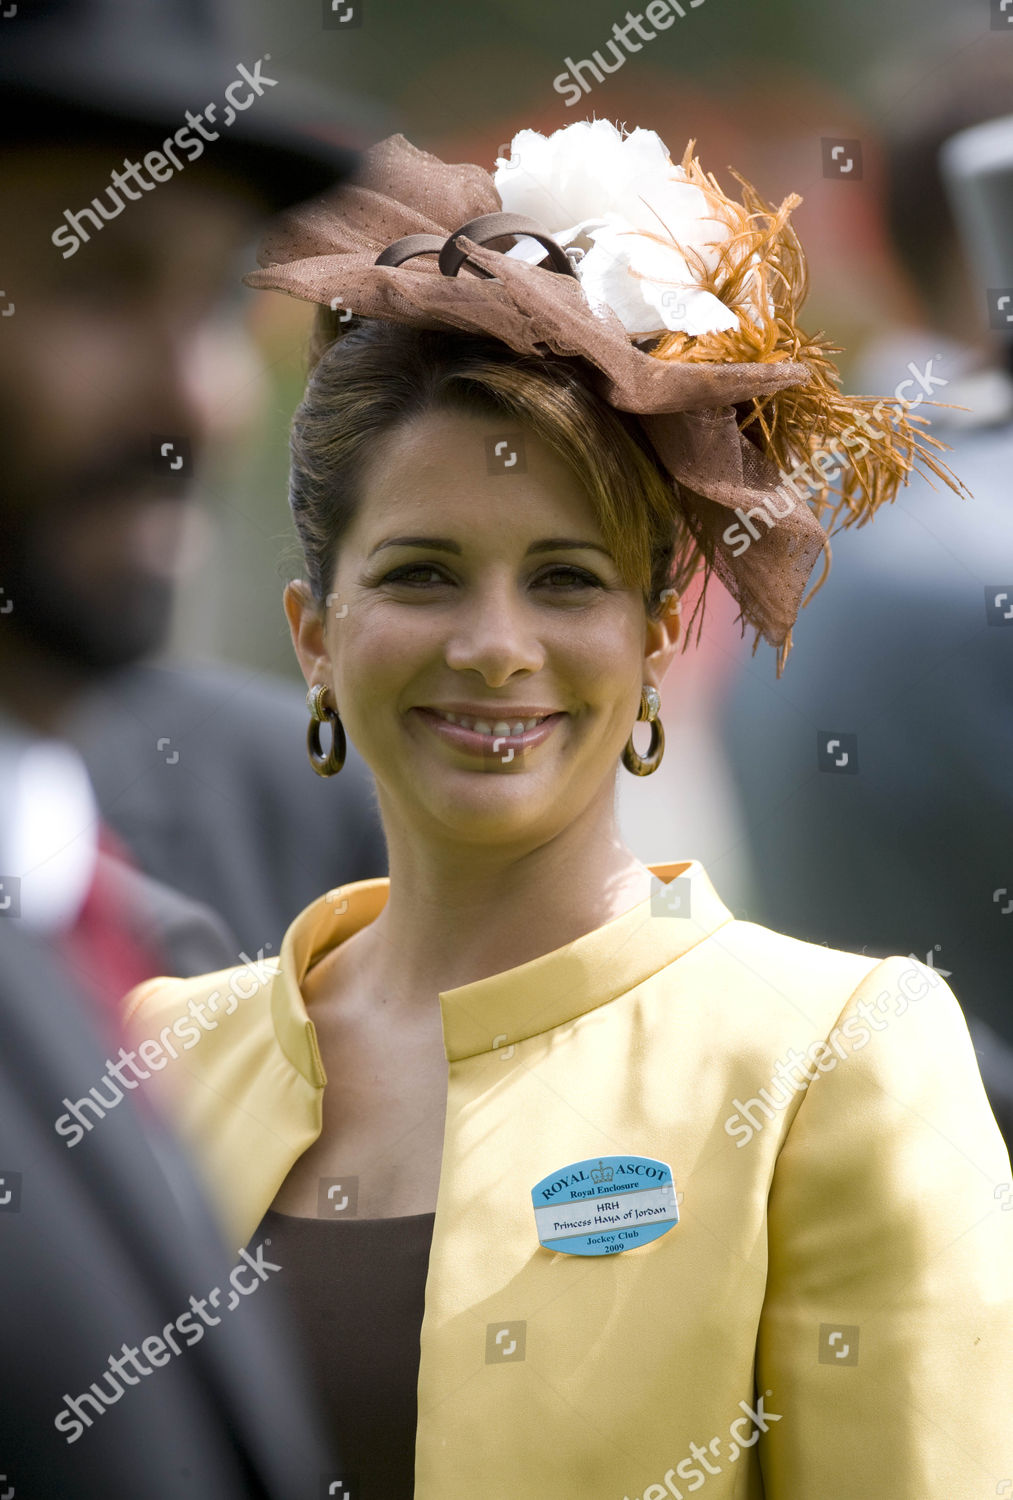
831	1317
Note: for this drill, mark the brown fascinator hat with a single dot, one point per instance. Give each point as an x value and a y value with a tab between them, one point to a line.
680	302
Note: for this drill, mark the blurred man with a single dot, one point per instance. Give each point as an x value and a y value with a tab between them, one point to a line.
119	269
136	1357
95	353
905	656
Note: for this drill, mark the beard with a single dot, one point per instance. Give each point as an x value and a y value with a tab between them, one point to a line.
93	626
73	583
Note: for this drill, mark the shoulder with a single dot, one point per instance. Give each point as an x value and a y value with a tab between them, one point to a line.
189	933
209	1037
235	1063
218	994
767	992
190	689
769	970
795	956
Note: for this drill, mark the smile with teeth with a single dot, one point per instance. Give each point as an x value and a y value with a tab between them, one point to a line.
484	726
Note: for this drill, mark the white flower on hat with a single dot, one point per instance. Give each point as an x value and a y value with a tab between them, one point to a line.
632	211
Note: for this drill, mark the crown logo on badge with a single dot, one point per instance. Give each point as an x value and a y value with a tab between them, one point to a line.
601	1173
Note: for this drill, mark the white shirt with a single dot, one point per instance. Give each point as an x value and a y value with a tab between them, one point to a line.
49	822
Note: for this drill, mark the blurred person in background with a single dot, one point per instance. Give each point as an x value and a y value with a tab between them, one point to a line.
119	349
119	1377
910	646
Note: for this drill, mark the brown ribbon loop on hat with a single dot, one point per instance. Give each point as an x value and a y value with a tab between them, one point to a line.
407	246
490	227
483	229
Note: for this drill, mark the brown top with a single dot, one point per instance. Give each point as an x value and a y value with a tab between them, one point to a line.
355	1292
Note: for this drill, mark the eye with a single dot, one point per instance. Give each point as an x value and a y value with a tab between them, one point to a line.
400	575
579	576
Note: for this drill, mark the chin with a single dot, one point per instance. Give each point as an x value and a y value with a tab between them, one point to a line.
484	812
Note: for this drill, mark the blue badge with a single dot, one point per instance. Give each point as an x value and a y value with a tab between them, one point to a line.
604	1205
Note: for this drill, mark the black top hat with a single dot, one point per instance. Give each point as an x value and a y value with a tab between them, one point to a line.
105	66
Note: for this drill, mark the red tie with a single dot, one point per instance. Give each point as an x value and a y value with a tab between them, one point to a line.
103	949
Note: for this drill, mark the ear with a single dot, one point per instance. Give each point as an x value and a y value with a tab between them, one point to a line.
306	626
661	641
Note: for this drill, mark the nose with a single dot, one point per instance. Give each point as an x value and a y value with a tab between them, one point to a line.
494	633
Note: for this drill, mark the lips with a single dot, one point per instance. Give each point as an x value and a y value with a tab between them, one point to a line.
502	747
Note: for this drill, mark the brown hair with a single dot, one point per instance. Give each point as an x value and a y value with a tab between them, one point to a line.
372	375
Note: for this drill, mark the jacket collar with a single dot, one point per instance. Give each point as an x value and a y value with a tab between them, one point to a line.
518	1003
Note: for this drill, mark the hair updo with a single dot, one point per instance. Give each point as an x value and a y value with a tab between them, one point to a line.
370	375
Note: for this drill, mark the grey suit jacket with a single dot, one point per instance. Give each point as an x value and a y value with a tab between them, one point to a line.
191	937
103	1245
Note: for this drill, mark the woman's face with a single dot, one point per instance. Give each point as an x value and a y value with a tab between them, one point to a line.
475	581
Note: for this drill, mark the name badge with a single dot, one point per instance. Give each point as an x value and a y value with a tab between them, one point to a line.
605	1205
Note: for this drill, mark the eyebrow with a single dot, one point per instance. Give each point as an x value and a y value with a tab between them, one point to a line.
446	544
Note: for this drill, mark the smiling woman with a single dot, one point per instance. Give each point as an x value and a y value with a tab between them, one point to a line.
498	491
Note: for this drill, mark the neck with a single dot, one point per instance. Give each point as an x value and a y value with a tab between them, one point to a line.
457	913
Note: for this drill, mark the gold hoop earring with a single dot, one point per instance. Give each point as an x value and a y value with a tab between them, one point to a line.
320	711
643	765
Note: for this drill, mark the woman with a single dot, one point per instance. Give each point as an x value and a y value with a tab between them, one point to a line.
643	1197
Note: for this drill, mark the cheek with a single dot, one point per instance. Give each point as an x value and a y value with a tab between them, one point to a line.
606	646
374	655
61	408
